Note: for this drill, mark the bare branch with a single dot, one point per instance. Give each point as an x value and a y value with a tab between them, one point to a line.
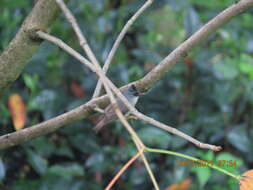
152	177
177	132
90	54
143	84
46	127
95	68
21	49
64	46
117	43
84	44
159	124
122	170
108	84
209	28
103	78
82	40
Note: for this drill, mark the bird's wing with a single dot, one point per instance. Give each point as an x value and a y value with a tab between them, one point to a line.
109	115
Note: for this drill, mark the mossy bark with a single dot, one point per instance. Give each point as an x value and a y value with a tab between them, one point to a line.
21	49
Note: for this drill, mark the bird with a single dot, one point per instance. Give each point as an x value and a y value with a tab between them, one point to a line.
109	115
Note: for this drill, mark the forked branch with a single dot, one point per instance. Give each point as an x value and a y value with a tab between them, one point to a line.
143	84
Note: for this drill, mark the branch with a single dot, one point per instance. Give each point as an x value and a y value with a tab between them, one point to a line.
122	170
117	43
139	144
159	124
95	67
67	48
21	49
209	28
143	84
46	127
82	40
109	85
106	82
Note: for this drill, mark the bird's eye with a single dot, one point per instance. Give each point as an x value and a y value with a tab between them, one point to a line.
133	88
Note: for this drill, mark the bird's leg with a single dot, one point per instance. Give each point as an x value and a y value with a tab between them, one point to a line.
131	117
99	110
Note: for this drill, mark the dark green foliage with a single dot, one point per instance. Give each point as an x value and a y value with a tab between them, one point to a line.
208	95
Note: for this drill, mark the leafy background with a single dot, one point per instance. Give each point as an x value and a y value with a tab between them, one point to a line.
207	95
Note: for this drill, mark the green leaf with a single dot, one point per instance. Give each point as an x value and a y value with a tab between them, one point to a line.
31	81
246	65
135	72
203	174
41	146
38	163
84	146
226	68
209	156
64	150
5	114
240	135
95	160
228	161
155	137
69	170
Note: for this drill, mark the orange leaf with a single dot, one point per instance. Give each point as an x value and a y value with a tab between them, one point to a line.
246	181
184	185
98	177
76	89
18	111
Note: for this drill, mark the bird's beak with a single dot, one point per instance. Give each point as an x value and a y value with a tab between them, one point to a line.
141	94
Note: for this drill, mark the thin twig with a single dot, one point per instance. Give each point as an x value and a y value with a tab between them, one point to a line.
82	40
177	132
117	43
122	170
123	98
140	146
96	68
66	48
144	83
83	43
211	165
206	30
159	124
172	130
137	141
151	175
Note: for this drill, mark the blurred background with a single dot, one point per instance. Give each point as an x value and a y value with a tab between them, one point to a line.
208	95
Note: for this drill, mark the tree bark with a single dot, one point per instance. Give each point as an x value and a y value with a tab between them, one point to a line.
21	49
145	83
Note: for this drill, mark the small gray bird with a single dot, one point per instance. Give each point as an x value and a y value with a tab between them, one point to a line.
109	115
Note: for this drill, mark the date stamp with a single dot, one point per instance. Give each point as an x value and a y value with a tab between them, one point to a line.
207	163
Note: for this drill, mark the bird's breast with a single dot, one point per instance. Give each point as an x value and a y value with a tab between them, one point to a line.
134	100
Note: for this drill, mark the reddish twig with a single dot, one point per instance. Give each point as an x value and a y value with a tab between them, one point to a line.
122	170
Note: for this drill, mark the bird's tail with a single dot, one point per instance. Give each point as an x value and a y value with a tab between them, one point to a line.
99	126
96	120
